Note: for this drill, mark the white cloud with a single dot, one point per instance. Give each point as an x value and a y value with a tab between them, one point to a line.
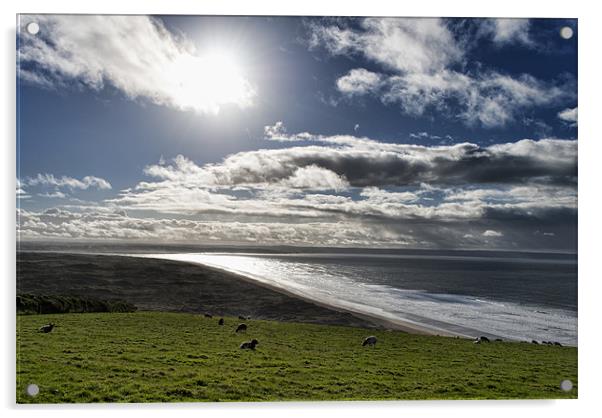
419	135
20	192
274	131
135	54
420	58
313	177
68	182
60	223
359	82
414	45
54	195
492	233
569	115
508	31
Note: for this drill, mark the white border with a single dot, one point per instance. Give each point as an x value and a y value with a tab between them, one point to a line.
590	34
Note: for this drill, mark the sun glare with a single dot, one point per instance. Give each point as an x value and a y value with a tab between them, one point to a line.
207	82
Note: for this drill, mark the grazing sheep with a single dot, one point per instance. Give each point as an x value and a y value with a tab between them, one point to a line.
207	315
241	317
241	328
370	341
47	328
557	343
221	321
534	342
250	345
484	339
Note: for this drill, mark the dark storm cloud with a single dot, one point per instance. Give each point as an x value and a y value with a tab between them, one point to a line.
364	163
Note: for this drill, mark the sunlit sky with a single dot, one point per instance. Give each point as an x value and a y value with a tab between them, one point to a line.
391	132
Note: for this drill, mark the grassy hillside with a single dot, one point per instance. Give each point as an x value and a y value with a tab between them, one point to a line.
166	357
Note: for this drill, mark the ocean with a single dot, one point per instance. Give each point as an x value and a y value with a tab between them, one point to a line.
513	296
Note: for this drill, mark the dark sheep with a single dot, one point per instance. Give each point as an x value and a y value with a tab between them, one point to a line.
241	317
557	343
534	342
221	321
370	341
249	345
484	339
241	328
207	315
47	328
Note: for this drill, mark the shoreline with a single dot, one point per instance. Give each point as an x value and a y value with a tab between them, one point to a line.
183	285
379	321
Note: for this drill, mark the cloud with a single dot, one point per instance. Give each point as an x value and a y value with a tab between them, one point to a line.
68	182
313	177
359	179
508	31
492	233
569	115
359	82
414	45
365	162
420	61
344	191
276	130
135	54
54	195
20	192
548	161
60	223
365	229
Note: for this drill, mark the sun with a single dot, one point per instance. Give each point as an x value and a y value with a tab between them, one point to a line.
209	81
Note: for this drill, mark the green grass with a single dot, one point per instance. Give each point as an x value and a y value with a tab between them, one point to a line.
169	357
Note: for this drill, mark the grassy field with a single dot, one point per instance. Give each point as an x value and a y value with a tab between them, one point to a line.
177	357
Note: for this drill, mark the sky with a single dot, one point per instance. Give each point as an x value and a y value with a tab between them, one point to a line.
346	132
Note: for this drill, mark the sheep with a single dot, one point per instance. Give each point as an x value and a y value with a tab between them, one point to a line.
241	327
208	315
557	343
370	341
534	342
221	321
484	339
250	345
241	317
47	328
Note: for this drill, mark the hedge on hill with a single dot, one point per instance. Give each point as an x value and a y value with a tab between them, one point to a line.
47	304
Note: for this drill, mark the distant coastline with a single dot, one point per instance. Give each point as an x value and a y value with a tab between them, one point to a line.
170	286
